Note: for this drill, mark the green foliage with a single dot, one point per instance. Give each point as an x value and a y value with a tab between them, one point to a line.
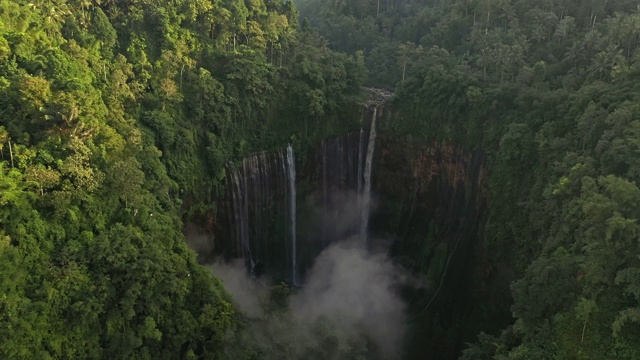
550	91
550	286
113	112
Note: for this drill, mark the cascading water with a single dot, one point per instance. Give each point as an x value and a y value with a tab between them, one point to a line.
262	203
360	150
291	166
335	183
259	212
366	193
324	191
335	176
240	218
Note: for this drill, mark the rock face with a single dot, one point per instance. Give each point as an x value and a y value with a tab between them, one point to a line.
253	216
428	208
377	96
422	184
259	192
431	207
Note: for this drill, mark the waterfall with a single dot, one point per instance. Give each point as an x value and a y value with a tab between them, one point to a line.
246	239
336	174
259	213
324	191
366	193
262	203
360	150
291	166
239	216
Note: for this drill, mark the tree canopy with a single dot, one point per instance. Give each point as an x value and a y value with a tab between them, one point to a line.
550	90
112	113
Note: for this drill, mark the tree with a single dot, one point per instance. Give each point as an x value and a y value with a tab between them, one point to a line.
549	286
76	167
407	54
43	178
126	179
4	139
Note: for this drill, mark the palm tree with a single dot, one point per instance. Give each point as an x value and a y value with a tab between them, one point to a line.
564	27
575	53
484	60
4	137
599	64
631	30
338	5
517	52
592	43
605	61
84	5
503	59
507	13
54	14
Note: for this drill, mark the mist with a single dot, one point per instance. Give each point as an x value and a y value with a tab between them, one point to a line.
247	292
347	307
355	291
199	241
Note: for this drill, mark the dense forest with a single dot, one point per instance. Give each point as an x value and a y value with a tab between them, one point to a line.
116	118
550	90
119	120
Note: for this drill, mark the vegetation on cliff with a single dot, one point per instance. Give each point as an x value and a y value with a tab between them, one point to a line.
550	90
111	112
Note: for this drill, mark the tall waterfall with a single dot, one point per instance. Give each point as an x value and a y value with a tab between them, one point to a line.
264	223
341	170
366	193
240	216
258	211
291	166
335	170
360	151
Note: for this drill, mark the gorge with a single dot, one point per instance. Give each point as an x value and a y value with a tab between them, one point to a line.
308	179
427	206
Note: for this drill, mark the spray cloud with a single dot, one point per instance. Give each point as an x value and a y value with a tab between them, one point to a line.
347	307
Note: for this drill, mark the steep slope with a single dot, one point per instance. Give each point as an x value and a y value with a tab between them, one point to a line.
549	90
113	113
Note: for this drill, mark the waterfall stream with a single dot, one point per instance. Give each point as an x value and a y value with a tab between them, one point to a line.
291	166
360	151
257	189
366	193
262	203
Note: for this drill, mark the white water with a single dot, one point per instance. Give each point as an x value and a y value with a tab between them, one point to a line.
242	214
366	194
245	215
360	150
258	189
291	166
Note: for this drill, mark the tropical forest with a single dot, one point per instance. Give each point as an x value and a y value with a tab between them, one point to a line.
320	179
